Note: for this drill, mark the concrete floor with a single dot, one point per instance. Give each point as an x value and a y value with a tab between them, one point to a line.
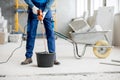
86	68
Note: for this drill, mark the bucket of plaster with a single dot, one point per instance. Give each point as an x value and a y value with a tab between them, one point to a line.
45	59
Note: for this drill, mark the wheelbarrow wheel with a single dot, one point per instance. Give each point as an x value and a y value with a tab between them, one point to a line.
101	52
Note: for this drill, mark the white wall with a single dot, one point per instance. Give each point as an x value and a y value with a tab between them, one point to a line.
105	18
65	12
117	30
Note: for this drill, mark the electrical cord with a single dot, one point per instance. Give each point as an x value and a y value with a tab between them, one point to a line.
12	53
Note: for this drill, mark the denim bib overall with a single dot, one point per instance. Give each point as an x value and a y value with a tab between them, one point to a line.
32	28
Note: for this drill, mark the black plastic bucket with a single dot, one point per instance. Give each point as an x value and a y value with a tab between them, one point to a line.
44	59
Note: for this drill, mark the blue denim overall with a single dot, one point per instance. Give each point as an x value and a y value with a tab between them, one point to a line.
32	28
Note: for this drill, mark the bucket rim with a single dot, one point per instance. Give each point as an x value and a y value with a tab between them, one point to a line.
45	53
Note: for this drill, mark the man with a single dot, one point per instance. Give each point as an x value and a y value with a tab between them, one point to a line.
33	7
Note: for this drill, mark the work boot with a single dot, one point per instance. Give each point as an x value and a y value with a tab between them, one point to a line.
27	61
56	62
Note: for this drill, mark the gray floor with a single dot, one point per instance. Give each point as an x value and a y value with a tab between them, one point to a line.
86	68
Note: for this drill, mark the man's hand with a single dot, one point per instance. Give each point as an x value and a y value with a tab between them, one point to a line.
40	15
35	9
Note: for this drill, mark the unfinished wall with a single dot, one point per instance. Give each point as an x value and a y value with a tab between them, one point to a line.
117	29
65	12
7	8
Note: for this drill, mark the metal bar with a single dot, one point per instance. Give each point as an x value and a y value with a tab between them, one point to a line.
76	51
23	5
103	46
16	4
16	22
110	64
106	37
84	49
93	32
118	61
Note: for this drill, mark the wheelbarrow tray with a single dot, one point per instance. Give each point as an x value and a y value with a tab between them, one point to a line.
88	37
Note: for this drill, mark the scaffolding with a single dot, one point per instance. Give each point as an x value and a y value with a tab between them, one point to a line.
21	7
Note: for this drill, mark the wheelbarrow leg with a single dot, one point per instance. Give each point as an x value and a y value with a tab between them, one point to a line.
76	51
106	37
